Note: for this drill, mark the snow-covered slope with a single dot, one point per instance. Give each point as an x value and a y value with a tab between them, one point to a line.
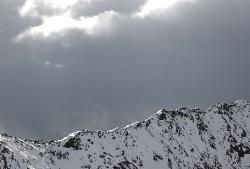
184	138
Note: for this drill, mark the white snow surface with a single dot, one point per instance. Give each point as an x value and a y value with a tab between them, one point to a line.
179	139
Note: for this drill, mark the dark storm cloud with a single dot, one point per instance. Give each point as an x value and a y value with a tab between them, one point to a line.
194	54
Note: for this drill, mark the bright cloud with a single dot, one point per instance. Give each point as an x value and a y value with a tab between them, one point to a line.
152	6
57	16
31	6
59	24
61	4
61	21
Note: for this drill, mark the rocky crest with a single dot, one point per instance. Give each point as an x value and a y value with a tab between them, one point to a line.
185	138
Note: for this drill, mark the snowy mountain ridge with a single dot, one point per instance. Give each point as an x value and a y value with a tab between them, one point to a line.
182	138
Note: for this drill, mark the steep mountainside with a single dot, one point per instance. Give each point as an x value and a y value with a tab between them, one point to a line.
184	138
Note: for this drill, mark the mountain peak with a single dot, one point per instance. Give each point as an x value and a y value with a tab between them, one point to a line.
182	138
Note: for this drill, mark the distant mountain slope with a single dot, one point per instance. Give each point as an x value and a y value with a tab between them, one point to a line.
184	138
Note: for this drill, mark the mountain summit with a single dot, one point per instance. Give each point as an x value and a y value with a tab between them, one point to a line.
184	138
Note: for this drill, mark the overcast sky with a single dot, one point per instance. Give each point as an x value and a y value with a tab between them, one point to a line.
97	64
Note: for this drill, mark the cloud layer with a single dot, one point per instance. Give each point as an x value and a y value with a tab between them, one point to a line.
56	19
153	6
89	16
98	64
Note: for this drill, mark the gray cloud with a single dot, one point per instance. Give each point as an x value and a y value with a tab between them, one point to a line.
123	7
193	54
